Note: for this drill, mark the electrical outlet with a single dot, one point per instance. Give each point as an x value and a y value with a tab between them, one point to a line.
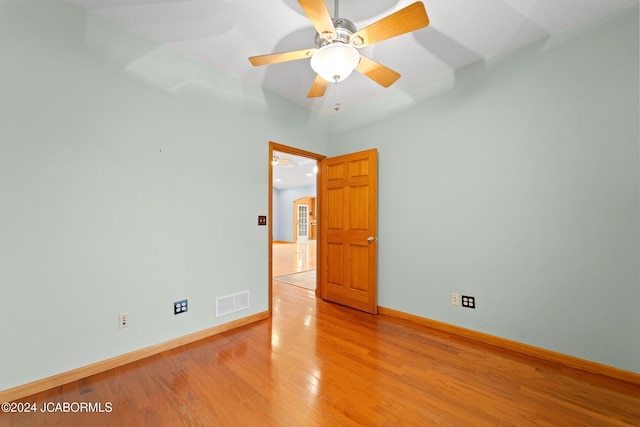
455	299
180	307
468	302
123	320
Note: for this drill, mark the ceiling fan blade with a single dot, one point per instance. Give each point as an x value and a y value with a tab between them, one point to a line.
274	58
318	87
377	72
403	21
320	17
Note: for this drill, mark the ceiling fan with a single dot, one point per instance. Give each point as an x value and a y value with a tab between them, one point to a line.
277	160
337	42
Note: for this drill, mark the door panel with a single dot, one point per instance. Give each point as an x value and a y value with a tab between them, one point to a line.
359	267
335	257
358	217
348	261
334	217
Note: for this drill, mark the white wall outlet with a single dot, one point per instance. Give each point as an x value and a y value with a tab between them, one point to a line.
123	320
455	299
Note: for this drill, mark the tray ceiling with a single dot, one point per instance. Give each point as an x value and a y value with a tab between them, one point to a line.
224	33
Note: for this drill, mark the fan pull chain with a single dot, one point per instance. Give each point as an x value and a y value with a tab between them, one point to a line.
337	106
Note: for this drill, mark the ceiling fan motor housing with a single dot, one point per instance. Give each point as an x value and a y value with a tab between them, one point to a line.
344	29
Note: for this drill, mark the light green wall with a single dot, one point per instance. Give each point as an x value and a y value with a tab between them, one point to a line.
130	177
519	185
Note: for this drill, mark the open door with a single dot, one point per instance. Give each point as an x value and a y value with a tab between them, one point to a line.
348	223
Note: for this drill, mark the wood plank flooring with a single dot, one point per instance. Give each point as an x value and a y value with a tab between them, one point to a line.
295	264
291	258
304	279
316	363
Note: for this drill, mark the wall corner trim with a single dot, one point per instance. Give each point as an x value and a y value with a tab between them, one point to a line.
114	362
547	355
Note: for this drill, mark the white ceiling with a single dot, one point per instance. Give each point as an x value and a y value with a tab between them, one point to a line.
297	172
224	33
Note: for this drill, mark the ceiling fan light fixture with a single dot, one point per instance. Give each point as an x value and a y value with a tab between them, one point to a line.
334	62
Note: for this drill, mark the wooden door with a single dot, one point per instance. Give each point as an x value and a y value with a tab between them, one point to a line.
348	221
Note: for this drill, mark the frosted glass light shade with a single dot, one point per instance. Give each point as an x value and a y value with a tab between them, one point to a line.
335	62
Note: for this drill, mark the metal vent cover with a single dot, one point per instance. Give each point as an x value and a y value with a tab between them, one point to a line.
231	303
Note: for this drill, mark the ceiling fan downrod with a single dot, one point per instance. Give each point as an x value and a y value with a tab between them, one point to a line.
336	107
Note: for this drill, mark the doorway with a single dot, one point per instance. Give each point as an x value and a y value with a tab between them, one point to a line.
294	224
347	204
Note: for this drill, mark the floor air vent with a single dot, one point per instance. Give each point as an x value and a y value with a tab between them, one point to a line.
231	303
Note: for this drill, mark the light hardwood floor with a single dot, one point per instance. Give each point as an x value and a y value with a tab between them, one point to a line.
295	264
291	258
316	363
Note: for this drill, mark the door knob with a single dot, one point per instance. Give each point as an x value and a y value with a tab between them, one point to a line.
371	239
